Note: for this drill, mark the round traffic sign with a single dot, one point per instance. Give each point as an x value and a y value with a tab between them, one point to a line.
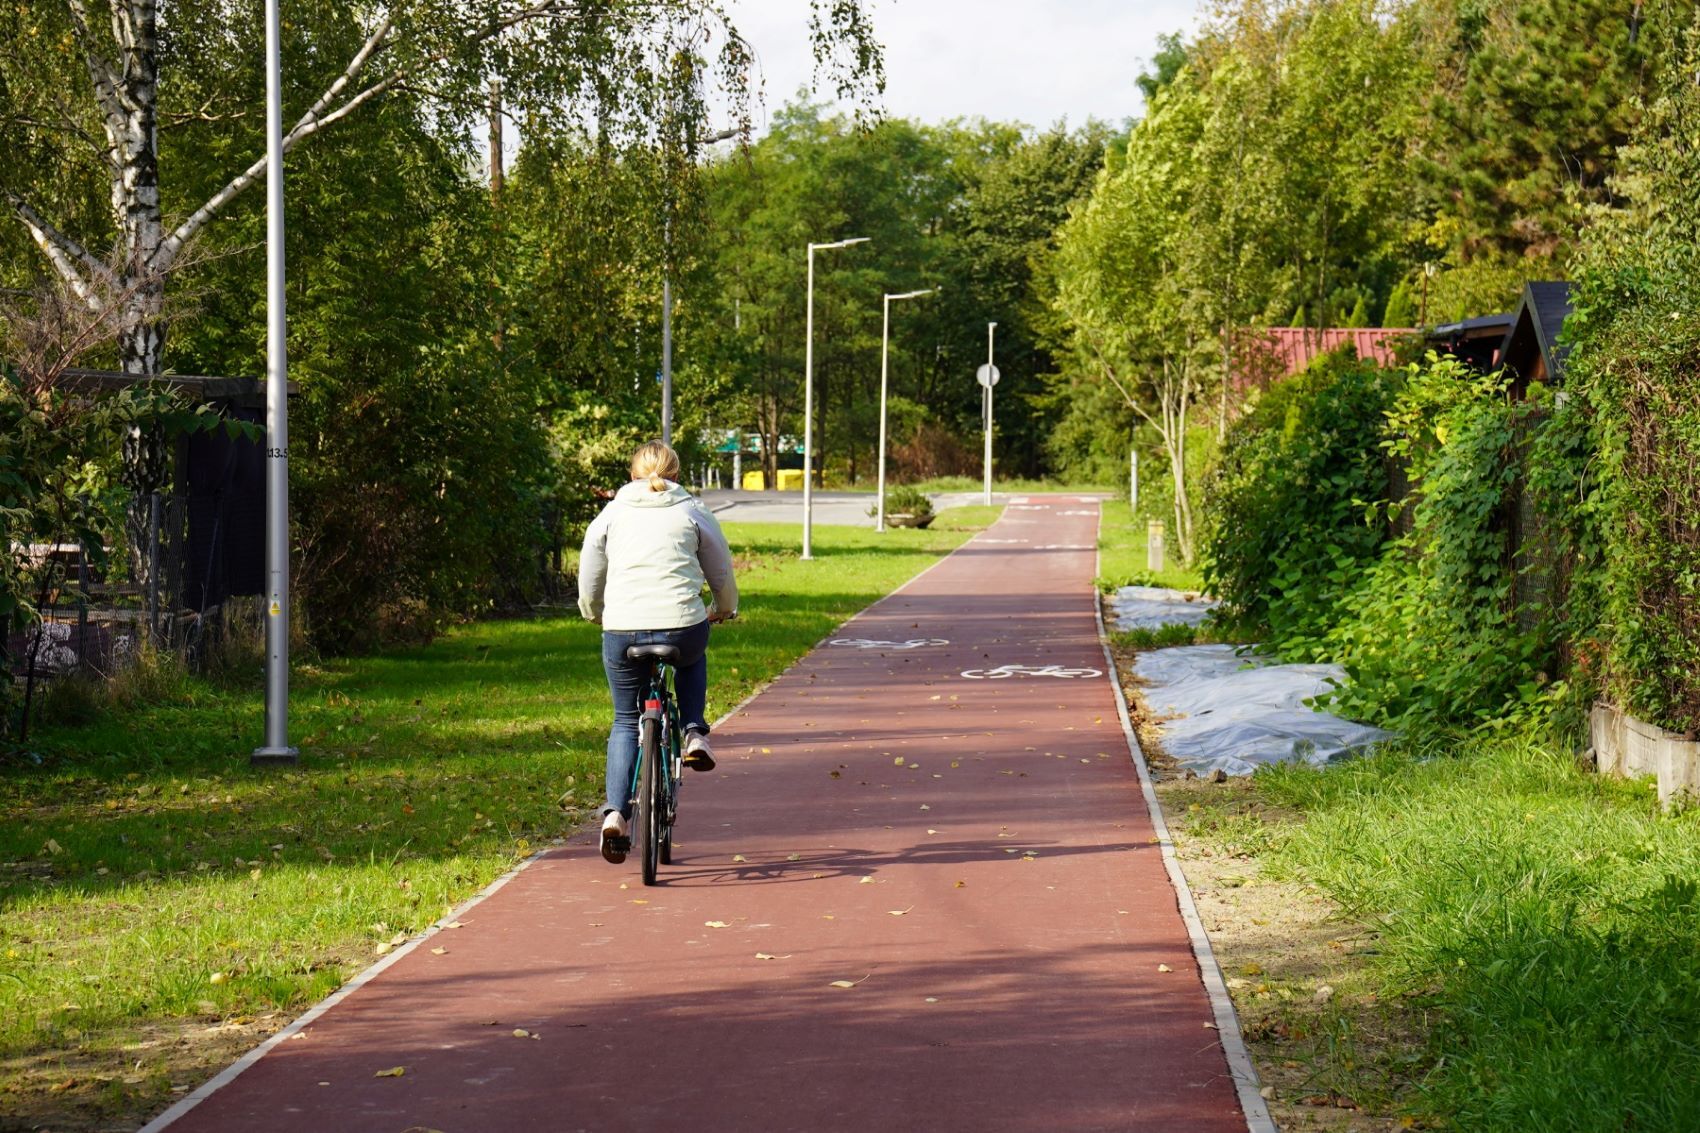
987	375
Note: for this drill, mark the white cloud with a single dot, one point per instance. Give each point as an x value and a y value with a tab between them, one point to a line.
1032	61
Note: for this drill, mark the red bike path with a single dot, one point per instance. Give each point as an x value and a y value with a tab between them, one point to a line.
973	857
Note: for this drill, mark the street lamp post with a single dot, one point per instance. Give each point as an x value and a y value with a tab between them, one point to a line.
809	395
885	368
276	749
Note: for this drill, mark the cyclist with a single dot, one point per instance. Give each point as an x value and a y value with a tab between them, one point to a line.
646	559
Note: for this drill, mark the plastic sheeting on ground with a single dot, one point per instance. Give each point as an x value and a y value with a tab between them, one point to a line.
1151	607
1236	712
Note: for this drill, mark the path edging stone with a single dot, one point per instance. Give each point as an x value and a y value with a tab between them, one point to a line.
1240	1065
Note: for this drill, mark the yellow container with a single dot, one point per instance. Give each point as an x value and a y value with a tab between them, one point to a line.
753	481
790	479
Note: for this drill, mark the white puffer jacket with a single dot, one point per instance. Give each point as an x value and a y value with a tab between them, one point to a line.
646	558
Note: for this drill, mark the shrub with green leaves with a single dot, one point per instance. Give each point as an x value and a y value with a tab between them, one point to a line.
1286	537
1637	361
904	500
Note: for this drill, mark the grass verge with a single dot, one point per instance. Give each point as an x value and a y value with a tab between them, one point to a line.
1122	549
162	905
1481	935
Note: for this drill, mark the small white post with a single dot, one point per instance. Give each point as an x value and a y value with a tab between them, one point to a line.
1133	480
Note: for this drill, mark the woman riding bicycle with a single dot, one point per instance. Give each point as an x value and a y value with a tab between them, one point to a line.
646	559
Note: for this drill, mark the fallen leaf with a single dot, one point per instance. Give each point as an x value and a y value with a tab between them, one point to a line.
767	751
865	881
932	999
899	912
715	924
896	762
398	939
383	948
1164	968
737	858
52	847
392	1072
931	831
924	806
439	951
962	885
766	956
218	978
453	924
639	901
254	874
794	857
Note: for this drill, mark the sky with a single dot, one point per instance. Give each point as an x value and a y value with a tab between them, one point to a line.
1030	61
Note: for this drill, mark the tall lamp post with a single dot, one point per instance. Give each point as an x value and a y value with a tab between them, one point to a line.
809	395
276	749
885	369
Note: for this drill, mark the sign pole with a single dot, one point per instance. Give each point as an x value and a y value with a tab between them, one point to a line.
991	331
276	749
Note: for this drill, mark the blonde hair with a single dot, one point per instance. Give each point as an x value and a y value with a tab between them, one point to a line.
656	463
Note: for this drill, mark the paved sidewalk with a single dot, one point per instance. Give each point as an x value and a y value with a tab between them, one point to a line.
973	855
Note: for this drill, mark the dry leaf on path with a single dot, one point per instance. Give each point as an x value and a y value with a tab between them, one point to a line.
439	951
715	924
1164	968
899	912
392	1072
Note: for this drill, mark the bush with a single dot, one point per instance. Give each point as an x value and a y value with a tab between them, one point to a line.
904	500
1286	537
1637	362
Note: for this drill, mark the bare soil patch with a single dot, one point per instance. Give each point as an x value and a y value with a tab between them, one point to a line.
1330	1053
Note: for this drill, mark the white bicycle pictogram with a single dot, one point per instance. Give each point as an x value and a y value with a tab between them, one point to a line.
1003	672
867	643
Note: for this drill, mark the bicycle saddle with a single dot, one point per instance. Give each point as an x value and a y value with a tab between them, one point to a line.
667	653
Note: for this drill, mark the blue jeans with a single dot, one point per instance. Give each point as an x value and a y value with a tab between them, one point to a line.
626	682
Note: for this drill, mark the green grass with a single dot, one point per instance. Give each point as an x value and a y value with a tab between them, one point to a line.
1122	554
149	877
1540	922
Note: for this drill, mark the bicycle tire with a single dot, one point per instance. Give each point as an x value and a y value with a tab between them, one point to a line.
667	798
648	813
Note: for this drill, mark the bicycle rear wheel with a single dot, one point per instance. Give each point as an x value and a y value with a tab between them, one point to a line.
650	803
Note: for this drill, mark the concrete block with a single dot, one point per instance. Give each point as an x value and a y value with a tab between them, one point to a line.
1629	747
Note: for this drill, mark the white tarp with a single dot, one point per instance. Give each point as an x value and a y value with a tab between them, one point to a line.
1235	712
1151	607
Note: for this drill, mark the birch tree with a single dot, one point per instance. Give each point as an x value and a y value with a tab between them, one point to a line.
1124	287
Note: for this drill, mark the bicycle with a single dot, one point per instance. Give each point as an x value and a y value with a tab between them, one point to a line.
661	757
660	763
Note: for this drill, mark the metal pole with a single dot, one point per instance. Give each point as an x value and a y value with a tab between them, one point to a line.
809	398
885	369
808	413
276	749
1133	490
991	330
667	360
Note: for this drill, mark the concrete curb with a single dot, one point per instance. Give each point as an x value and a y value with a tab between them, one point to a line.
1240	1065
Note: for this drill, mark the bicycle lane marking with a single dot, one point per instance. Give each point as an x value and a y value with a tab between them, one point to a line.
1018	986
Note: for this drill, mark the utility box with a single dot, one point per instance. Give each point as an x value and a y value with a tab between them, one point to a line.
753	481
790	479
